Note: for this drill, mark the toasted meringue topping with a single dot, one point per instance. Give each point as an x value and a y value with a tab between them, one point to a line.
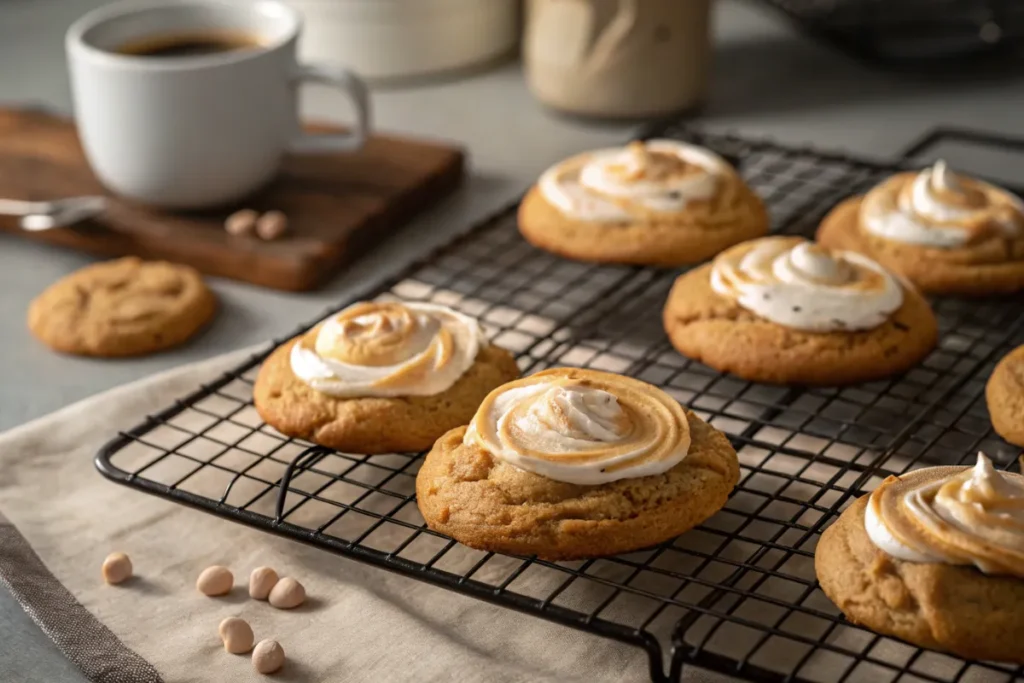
616	185
387	349
939	208
582	426
801	285
954	515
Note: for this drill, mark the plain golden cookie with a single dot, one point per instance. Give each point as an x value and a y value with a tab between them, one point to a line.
690	236
992	266
374	424
126	307
720	333
485	503
1004	394
939	606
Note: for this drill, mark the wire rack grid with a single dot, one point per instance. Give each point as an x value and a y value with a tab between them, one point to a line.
738	594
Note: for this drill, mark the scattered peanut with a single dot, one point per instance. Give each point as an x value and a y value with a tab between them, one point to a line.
216	580
288	593
241	222
237	635
117	568
261	582
271	225
268	656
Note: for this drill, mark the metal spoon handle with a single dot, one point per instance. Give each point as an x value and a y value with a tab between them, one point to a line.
21	207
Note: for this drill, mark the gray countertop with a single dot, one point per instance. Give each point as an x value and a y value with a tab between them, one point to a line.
768	82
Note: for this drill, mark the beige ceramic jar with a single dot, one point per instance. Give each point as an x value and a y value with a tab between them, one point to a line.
618	58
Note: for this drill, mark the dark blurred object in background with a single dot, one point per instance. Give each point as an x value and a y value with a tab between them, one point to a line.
913	32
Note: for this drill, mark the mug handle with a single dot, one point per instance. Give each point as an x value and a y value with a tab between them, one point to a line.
355	88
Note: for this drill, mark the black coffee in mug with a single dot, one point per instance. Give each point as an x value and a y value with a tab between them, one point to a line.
189	45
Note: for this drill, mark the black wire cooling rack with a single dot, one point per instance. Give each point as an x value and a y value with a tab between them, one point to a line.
737	595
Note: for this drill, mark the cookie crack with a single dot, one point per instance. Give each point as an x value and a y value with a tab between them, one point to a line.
732	315
116	286
794	339
83	297
171	290
909	615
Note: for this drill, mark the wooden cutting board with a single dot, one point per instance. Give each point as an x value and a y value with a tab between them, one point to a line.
336	204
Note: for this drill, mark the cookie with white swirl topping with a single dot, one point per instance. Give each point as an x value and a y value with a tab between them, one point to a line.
945	232
381	377
934	557
661	203
783	310
572	463
125	307
1004	394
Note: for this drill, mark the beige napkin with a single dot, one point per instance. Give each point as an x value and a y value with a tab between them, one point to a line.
359	624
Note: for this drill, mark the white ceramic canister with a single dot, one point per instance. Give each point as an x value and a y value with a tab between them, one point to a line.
396	39
618	58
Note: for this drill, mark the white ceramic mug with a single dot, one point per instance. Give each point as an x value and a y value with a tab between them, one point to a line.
197	131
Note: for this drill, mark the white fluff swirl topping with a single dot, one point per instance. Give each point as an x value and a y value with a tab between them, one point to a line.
803	286
954	515
387	349
616	185
582	426
941	209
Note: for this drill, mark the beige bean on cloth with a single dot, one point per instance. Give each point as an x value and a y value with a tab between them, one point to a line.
358	623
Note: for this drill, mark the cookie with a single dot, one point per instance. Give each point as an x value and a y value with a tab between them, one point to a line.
126	307
888	570
582	464
661	203
380	378
1004	394
946	233
783	310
